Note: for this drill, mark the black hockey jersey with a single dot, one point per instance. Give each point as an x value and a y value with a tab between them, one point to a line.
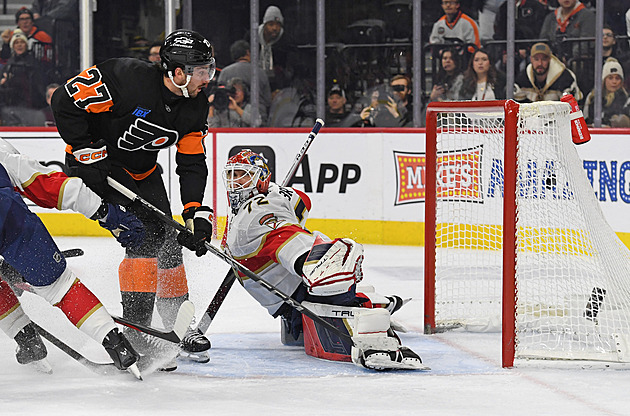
124	101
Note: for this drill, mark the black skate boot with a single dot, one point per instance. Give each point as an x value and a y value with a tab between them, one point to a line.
154	353
121	352
195	346
31	349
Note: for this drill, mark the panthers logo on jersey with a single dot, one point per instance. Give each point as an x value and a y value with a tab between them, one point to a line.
147	136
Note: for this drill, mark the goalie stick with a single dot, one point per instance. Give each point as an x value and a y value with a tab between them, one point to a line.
230	277
229	260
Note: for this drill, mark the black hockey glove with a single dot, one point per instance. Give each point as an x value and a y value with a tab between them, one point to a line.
199	222
126	227
94	165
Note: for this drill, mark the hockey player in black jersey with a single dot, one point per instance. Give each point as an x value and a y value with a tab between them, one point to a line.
115	117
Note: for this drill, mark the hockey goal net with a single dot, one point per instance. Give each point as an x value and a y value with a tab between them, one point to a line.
532	255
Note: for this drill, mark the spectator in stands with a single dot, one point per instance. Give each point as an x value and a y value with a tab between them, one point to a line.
545	78
448	81
241	68
481	80
401	86
50	118
56	9
382	110
21	82
229	106
39	42
612	50
571	20
337	113
154	52
454	26
529	15
274	53
614	97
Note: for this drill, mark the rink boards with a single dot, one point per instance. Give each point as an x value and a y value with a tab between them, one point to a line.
367	184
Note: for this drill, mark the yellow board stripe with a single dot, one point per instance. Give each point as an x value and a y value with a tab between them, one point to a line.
362	231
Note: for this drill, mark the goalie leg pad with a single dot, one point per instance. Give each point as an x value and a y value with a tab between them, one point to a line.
376	345
319	341
333	267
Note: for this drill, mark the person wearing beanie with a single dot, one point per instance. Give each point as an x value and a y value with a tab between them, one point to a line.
614	97
545	78
21	79
39	42
273	57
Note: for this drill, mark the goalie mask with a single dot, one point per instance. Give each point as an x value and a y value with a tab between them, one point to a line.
245	175
190	51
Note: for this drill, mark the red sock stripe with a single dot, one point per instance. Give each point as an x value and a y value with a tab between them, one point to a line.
8	300
79	303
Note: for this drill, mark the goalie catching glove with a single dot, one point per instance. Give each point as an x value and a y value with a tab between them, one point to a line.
94	166
199	222
125	226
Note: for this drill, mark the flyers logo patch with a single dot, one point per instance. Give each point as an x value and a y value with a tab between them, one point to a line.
88	91
147	136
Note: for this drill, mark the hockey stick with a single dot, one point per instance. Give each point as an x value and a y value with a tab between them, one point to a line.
182	321
72	252
99	368
228	281
229	260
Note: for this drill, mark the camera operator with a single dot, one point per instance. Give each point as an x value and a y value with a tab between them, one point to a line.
229	106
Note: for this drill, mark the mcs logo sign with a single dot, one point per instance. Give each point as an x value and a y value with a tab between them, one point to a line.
458	176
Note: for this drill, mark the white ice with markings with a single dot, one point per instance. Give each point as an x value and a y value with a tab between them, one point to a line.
251	372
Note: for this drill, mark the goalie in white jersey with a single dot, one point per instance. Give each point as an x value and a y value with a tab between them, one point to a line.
266	234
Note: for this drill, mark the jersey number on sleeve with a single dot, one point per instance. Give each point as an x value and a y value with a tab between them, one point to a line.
88	91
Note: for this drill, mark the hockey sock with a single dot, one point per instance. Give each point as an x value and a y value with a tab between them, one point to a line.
138	283
86	311
172	291
12	316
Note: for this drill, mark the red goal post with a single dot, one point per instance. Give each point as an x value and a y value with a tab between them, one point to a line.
520	248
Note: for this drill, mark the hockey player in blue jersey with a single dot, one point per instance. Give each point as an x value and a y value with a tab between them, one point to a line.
26	245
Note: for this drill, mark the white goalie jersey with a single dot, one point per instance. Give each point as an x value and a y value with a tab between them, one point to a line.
267	235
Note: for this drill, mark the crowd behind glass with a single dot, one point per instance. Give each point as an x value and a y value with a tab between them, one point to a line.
368	64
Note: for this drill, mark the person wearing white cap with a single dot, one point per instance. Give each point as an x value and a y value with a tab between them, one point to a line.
614	97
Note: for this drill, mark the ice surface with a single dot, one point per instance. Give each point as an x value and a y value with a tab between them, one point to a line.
252	373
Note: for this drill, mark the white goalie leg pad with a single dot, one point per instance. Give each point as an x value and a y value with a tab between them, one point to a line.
54	292
333	267
375	349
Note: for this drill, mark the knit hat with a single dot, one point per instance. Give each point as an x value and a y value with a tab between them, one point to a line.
18	34
273	14
612	67
22	11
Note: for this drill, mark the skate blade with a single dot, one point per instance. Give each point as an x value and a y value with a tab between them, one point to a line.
385	364
197	357
41	366
133	369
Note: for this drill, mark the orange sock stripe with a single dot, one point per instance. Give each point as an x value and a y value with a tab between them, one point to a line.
172	283
138	275
79	303
8	300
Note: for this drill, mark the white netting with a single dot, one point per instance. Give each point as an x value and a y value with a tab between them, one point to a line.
573	289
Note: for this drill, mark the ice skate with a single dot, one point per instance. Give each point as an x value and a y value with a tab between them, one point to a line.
121	352
195	346
31	350
154	353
